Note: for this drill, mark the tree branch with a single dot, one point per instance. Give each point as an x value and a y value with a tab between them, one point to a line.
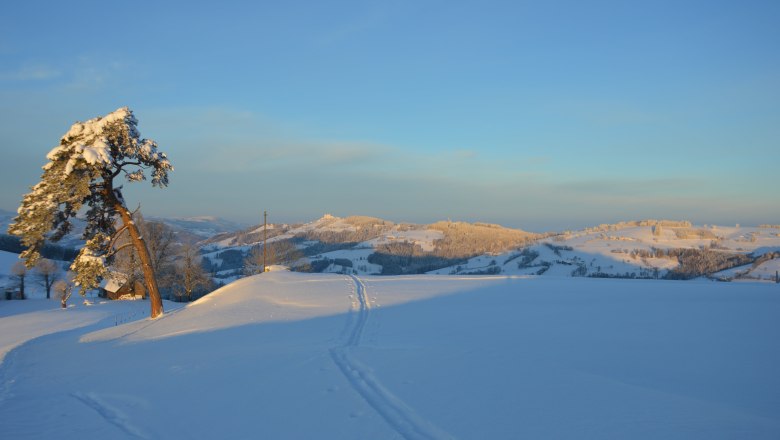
116	251
116	236
120	167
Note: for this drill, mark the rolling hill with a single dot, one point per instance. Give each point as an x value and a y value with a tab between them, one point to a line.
635	249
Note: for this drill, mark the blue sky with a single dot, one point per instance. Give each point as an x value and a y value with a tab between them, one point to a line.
540	115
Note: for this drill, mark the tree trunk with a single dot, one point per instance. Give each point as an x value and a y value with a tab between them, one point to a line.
146	261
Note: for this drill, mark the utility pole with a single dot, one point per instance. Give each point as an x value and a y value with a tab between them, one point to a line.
265	237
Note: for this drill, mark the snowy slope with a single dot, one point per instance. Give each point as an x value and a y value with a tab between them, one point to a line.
355	238
286	355
766	271
327	224
23	321
353	244
637	249
613	252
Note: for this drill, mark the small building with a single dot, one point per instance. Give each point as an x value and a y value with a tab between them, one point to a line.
117	286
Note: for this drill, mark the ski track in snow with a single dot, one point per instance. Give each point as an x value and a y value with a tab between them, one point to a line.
402	418
110	414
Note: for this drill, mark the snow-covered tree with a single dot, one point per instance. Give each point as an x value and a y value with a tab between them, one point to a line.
80	174
47	273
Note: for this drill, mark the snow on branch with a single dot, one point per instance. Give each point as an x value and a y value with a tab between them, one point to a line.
80	171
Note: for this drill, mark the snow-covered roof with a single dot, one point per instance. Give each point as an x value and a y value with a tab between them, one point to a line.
113	282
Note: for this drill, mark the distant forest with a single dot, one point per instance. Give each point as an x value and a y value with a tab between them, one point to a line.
9	243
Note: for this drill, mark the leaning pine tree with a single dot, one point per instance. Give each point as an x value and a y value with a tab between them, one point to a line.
81	173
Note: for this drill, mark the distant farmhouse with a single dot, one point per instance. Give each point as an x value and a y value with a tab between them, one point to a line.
117	286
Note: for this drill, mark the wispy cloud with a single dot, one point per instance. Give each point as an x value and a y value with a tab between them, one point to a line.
282	164
31	72
225	140
83	73
95	73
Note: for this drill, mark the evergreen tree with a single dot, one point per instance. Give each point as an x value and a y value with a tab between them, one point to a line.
80	173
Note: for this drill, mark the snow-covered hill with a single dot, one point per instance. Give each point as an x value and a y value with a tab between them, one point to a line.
364	245
290	355
330	229
368	245
640	249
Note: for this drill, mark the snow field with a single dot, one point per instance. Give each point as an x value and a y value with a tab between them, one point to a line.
286	355
547	358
